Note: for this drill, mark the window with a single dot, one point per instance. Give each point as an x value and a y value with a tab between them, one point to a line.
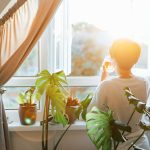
96	23
77	39
31	65
27	70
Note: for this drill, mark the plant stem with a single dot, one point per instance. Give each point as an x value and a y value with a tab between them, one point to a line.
45	124
61	137
136	139
114	144
127	124
129	119
43	129
147	113
30	99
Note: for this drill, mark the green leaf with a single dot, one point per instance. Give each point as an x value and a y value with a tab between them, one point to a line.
60	118
78	112
52	86
44	73
41	81
102	128
27	96
41	88
83	107
98	128
59	79
57	98
21	98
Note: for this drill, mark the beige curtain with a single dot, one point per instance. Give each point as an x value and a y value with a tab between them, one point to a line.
18	35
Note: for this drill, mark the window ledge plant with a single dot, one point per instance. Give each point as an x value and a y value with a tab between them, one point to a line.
52	87
27	107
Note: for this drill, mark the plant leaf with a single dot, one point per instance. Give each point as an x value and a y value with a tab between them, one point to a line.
140	107
83	107
21	98
60	118
52	85
44	73
144	126
131	98
99	129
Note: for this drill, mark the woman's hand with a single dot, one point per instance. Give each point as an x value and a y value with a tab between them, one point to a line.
104	73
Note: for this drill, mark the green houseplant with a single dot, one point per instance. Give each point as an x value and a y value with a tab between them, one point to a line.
105	132
75	109
57	101
27	107
71	107
52	87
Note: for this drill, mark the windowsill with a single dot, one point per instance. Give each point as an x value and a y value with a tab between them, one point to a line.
16	126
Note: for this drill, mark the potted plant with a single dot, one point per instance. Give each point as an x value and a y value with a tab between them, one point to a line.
75	108
27	107
51	86
71	108
105	132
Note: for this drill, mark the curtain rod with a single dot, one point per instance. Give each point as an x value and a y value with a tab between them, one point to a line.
11	11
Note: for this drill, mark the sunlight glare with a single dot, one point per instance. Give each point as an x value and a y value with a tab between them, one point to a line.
121	18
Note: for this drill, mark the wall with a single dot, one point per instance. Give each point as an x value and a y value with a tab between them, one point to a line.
73	140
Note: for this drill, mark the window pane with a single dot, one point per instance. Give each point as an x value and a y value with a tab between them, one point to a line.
143	60
81	92
10	97
88	49
93	31
30	66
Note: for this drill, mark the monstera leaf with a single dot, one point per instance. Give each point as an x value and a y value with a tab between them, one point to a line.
102	128
55	98
58	104
46	79
99	129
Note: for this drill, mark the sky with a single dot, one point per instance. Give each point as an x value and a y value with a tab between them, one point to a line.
127	18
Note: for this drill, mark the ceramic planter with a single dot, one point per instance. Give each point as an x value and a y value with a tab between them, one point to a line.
27	114
71	113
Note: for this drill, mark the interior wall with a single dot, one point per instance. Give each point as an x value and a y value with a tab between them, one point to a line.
73	140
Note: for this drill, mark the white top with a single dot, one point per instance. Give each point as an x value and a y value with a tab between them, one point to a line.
111	93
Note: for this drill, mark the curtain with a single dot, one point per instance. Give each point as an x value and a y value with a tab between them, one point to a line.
18	35
4	136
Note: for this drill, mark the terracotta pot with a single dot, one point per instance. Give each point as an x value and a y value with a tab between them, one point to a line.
70	111
27	114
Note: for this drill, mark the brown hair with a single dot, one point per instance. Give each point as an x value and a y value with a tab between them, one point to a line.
125	52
